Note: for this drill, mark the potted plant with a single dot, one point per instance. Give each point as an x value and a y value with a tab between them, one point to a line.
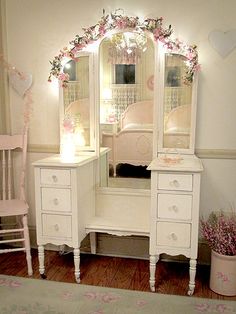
219	230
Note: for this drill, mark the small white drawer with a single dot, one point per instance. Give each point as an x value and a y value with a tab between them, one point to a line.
173	234
55	176
176	182
57	226
174	206
108	127
54	199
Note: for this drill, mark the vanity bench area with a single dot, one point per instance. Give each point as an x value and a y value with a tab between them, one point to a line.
69	207
126	167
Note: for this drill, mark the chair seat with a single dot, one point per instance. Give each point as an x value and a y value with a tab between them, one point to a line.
13	207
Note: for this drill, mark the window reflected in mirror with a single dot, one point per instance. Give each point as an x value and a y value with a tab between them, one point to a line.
126	108
77	100
177	104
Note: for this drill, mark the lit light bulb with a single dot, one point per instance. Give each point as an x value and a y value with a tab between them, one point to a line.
129	51
67	153
67	66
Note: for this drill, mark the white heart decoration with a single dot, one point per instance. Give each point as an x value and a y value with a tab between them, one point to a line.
20	83
223	42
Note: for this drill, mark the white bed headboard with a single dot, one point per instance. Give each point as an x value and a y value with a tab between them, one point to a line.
140	113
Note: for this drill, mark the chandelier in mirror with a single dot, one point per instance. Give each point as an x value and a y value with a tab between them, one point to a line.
127	46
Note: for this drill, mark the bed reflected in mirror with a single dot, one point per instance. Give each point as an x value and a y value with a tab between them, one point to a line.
126	108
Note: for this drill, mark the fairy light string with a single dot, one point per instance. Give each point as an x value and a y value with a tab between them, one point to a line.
115	21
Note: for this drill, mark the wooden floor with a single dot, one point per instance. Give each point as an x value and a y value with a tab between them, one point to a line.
115	272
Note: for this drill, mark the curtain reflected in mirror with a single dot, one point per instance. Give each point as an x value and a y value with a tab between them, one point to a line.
77	100
126	108
177	104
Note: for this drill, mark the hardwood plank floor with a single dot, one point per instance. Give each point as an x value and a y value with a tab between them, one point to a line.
115	272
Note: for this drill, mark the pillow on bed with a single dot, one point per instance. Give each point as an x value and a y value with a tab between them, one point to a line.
138	126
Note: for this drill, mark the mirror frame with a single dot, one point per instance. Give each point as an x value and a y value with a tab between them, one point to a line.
111	23
160	110
92	113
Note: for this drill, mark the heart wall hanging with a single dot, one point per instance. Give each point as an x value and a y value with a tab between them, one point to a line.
223	42
20	83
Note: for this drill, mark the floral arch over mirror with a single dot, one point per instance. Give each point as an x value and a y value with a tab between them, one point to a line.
114	22
113	30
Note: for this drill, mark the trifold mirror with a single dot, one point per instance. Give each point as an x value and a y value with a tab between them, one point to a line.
130	94
126	63
77	110
177	123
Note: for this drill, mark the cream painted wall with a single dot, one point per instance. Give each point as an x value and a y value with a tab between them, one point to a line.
37	29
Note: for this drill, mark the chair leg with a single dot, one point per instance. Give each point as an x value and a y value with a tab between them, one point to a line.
27	244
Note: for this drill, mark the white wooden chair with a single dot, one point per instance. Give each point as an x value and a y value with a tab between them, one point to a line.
10	206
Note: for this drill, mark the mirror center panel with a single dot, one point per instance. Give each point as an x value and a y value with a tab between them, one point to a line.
126	107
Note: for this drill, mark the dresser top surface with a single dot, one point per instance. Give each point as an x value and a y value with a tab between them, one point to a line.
55	161
171	162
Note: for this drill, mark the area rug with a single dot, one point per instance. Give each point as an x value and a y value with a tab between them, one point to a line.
34	296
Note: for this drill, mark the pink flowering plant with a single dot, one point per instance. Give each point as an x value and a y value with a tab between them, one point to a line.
219	230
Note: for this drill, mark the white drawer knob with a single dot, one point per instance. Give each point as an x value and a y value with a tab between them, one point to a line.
175	183
55	201
173	236
174	208
54	178
56	227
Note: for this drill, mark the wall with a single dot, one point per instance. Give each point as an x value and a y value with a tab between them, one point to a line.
4	116
37	29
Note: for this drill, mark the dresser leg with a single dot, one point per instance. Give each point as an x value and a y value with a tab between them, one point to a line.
153	261
192	274
77	264
93	242
41	261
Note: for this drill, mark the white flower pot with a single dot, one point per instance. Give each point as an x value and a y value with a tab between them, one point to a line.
223	274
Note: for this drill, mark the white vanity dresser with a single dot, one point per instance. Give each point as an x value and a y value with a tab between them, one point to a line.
175	173
138	77
175	212
65	202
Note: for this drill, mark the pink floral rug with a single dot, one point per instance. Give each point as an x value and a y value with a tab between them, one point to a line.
33	296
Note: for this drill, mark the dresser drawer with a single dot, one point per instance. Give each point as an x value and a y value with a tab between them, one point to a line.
54	199
173	234
108	127
174	206
58	226
55	176
176	182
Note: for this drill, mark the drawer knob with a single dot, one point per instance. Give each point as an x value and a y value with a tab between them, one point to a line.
174	208
55	201
54	178
173	236
56	227
175	183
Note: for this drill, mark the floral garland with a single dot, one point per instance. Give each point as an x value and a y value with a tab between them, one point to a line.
119	22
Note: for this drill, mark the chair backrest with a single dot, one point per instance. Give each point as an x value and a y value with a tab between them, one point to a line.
8	143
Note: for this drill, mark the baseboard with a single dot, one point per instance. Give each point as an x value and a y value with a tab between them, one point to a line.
127	247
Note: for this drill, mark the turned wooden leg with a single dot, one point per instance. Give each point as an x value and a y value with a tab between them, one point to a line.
27	245
41	261
192	274
153	261
77	264
93	242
